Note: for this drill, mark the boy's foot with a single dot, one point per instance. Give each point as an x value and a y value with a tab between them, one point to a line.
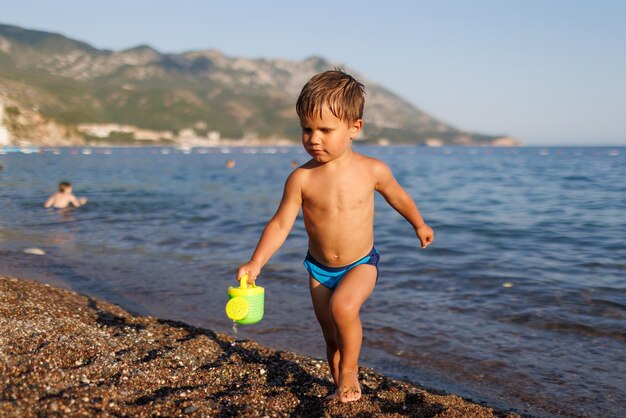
349	387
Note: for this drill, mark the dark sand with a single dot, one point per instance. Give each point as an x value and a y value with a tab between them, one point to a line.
63	354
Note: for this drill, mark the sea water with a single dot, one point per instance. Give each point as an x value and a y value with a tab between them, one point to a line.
520	302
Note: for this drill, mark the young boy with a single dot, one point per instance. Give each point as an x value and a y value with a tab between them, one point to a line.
64	197
335	190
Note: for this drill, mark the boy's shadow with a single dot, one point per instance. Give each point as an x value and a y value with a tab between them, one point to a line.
283	374
279	371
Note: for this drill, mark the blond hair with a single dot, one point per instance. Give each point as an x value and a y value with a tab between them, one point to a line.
340	92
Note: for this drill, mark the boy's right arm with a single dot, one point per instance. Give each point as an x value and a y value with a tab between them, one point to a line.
276	230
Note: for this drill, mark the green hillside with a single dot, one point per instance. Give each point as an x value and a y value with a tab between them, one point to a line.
73	83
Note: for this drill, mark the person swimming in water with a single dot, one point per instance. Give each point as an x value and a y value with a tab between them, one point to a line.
64	198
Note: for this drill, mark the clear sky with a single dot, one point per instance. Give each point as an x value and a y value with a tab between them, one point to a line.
549	72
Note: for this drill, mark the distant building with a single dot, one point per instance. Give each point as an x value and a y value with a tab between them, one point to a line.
214	136
506	141
103	130
433	142
4	136
187	133
4	132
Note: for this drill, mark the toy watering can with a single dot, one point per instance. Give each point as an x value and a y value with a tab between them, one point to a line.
245	303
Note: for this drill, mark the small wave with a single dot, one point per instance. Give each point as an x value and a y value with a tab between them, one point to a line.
169	241
131	238
598	265
389	331
609	303
579	179
583	329
198	245
539	322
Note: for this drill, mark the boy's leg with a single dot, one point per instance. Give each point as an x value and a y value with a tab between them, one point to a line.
345	304
320	295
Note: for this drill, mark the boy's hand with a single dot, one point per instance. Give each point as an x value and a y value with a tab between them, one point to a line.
425	234
252	269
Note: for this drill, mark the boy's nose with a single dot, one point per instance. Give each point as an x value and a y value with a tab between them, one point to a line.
316	139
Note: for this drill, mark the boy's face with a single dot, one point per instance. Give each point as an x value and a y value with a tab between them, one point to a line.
327	138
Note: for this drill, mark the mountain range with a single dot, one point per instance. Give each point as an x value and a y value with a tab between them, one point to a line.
52	87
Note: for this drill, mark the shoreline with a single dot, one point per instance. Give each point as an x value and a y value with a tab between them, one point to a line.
38	149
65	353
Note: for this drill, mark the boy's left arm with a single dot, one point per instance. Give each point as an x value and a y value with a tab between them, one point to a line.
75	201
399	199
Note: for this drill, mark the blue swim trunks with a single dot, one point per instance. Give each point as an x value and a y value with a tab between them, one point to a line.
331	276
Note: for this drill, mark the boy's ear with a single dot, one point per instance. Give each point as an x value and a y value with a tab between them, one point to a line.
355	128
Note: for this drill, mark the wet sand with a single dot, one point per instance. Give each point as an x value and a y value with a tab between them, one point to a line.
66	354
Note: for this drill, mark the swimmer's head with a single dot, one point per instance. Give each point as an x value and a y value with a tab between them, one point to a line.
65	187
339	92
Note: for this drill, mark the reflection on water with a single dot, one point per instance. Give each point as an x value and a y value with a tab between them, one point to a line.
520	302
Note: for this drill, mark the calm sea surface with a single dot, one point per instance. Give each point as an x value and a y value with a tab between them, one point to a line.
520	302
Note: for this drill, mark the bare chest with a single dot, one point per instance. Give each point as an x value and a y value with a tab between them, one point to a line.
342	194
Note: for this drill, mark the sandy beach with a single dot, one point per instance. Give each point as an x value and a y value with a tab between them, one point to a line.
67	354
